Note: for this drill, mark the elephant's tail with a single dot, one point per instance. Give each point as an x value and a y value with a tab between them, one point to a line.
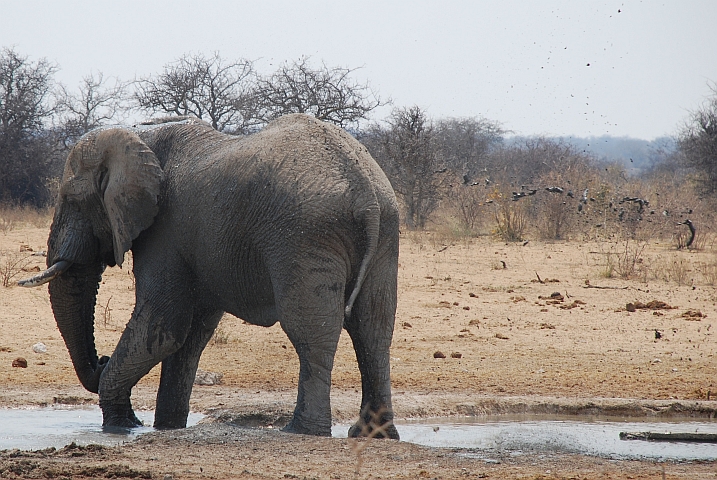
372	221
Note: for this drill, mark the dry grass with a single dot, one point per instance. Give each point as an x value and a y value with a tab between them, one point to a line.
220	337
12	217
511	221
623	259
708	270
617	208
107	313
7	223
674	269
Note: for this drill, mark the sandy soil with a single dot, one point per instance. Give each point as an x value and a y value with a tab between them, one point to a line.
523	328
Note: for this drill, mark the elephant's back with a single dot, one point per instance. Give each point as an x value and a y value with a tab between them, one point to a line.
316	156
298	172
319	154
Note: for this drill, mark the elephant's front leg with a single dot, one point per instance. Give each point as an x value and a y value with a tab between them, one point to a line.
180	368
155	331
311	314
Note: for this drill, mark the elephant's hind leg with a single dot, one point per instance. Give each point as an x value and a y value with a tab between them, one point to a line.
311	314
180	368
371	329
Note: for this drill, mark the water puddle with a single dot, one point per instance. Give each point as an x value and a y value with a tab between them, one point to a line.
35	429
544	434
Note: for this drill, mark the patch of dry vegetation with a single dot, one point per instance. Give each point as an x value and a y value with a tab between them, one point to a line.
12	265
546	190
12	217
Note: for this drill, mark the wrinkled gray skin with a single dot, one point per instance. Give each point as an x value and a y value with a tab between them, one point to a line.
296	224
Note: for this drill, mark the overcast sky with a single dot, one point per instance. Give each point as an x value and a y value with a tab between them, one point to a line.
588	67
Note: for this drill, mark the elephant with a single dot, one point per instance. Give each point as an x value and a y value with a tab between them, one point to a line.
295	224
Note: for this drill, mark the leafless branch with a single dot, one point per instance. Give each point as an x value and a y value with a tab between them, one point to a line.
330	94
209	88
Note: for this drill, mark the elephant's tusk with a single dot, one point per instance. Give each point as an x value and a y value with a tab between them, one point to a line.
44	277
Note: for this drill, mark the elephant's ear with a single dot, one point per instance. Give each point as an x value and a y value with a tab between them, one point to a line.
129	183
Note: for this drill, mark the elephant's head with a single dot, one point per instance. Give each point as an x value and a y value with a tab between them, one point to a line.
108	195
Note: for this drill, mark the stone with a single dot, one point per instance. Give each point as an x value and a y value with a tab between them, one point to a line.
19	362
208	378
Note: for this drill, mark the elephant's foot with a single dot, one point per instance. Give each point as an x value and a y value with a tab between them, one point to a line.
119	416
374	427
169	422
295	426
360	429
116	421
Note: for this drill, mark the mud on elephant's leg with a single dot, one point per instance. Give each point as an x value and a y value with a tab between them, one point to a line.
180	368
371	329
153	333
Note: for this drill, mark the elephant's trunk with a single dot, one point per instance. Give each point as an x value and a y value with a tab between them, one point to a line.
73	295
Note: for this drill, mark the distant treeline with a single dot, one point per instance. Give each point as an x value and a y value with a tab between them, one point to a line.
469	169
637	155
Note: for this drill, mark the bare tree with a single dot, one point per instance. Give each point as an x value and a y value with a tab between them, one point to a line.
406	151
329	94
26	147
465	145
697	143
550	178
210	88
95	103
525	161
469	203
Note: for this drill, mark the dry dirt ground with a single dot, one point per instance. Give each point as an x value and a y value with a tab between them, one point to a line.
534	328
